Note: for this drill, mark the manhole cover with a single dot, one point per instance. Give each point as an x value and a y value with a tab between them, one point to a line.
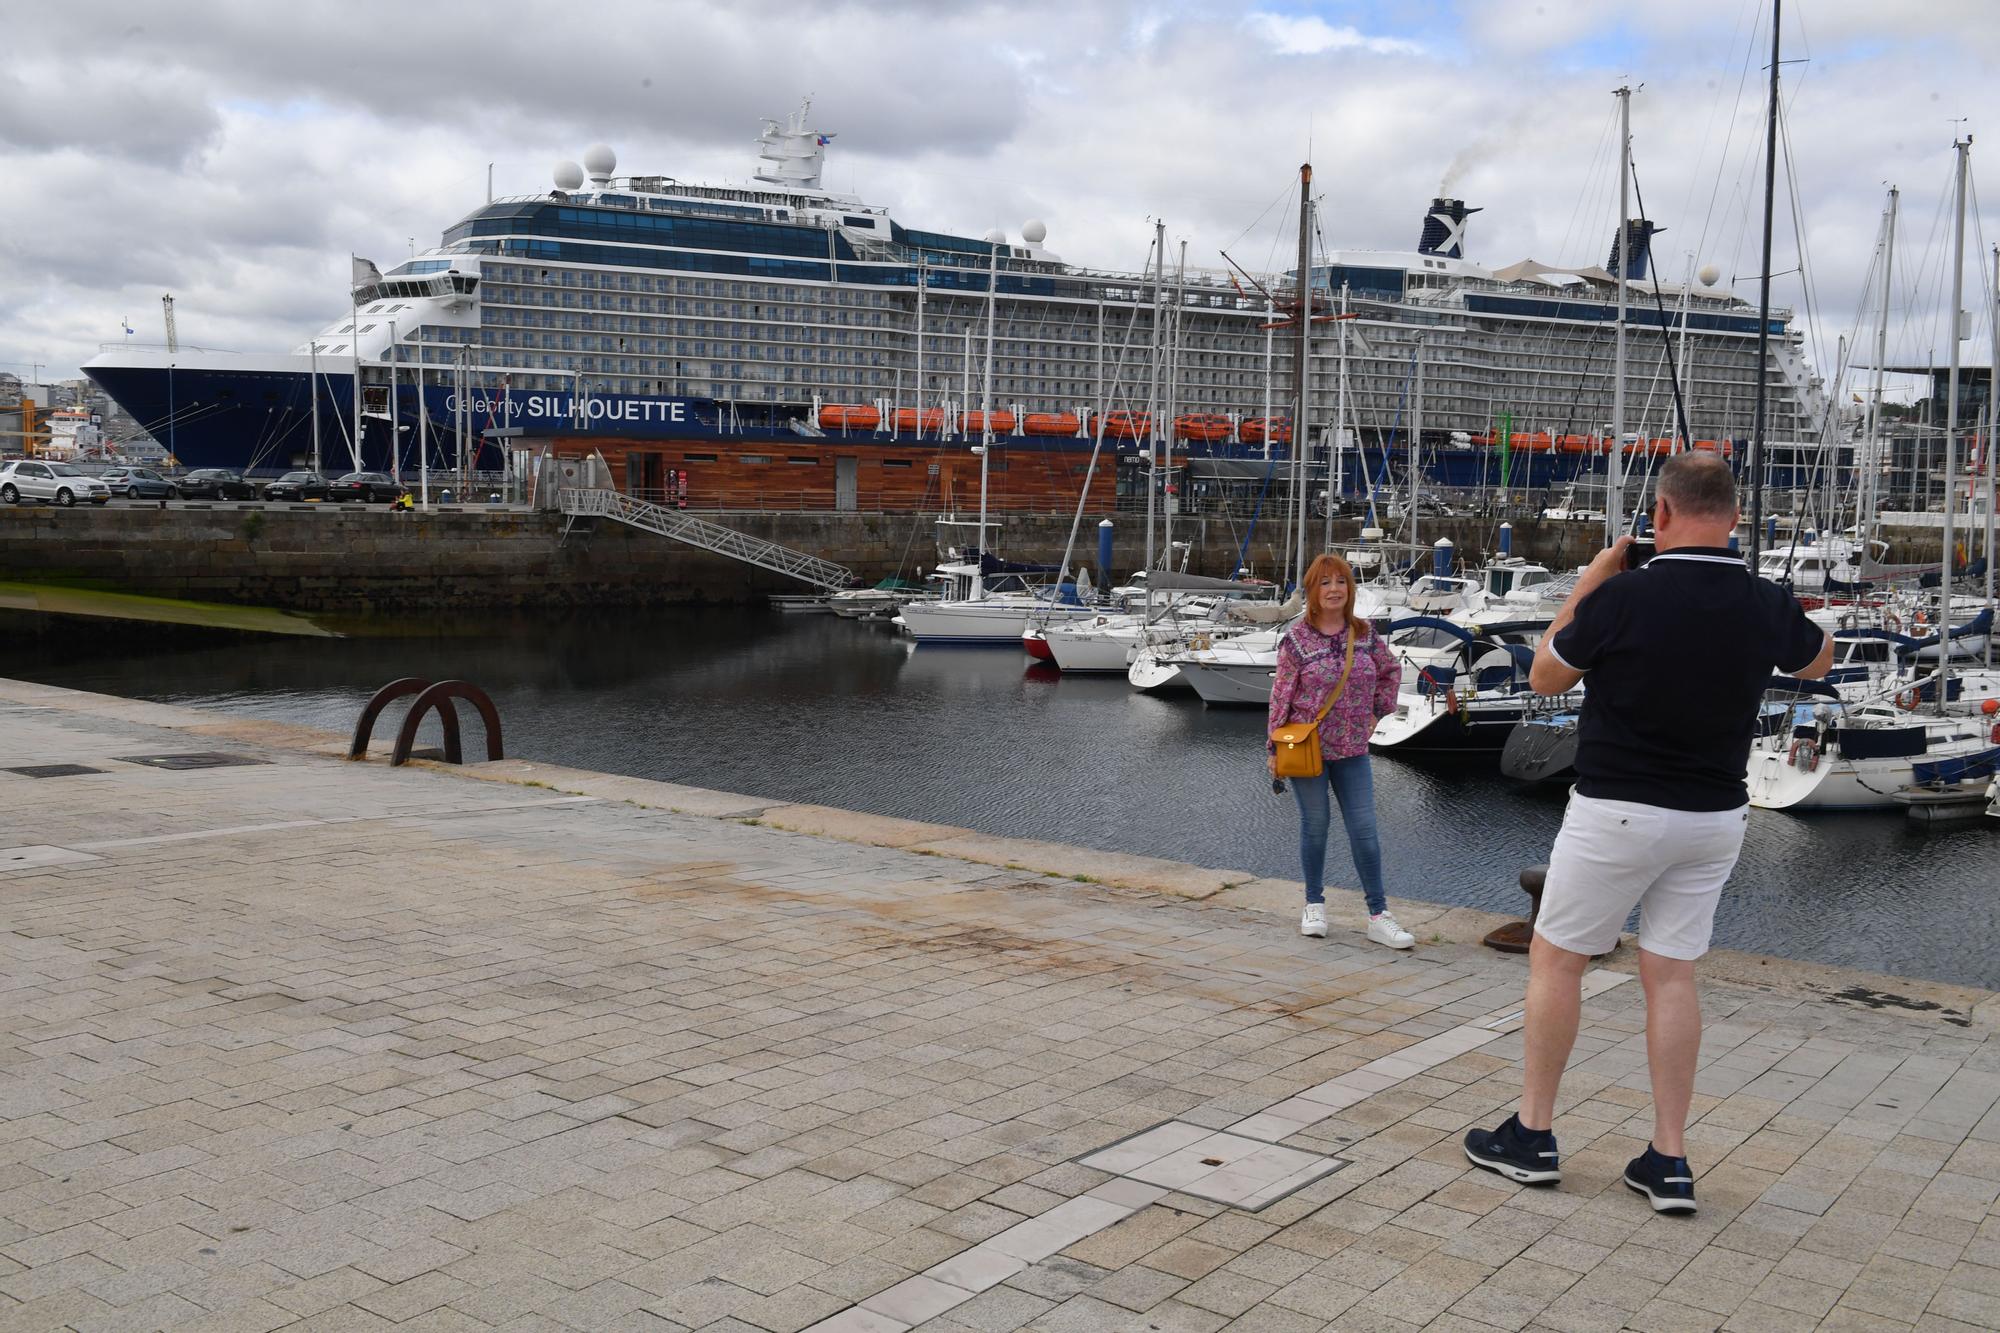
204	759
1212	1164
53	770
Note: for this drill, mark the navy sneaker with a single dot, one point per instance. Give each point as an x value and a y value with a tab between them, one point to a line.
1667	1181
1524	1155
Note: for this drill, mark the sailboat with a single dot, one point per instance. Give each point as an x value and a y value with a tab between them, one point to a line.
1841	755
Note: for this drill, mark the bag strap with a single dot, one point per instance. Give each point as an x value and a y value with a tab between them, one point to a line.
1339	686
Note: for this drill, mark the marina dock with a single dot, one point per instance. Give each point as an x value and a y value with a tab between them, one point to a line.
296	1042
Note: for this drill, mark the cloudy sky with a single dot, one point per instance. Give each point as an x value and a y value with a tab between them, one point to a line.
234	152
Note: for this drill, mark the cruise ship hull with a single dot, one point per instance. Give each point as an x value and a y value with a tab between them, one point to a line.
255	414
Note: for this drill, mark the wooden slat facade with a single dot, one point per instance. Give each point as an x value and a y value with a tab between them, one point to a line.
837	475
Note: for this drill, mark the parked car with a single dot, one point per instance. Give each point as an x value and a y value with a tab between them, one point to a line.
216	483
297	486
139	483
363	486
57	483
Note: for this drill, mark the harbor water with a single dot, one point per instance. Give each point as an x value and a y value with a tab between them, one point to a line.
833	712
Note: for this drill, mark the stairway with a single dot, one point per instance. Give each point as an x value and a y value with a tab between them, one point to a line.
682	527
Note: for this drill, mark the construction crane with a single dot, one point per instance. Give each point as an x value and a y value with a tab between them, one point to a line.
173	338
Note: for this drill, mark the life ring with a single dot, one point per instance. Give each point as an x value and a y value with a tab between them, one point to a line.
1890	623
1804	754
1908	700
1199	643
1849	621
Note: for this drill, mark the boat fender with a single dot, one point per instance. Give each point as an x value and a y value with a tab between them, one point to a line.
1908	700
1804	754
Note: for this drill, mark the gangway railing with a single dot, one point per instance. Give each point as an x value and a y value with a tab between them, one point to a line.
683	527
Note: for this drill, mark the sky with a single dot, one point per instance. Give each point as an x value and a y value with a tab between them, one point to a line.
235	152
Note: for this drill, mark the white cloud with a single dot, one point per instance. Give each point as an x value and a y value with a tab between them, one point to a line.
1311	35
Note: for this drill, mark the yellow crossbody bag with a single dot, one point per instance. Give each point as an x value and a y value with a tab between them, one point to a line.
1298	752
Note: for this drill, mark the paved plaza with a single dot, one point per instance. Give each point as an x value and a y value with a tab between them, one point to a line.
297	1043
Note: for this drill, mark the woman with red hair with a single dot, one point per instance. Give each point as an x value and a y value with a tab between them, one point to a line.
1313	666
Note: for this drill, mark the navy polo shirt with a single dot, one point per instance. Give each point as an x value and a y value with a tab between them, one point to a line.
1676	656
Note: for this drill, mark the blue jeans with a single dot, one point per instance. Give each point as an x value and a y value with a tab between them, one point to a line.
1354	786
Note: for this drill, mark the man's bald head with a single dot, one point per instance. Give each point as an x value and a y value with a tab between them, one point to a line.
1699	485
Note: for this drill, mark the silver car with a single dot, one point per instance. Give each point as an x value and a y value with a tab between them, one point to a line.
60	483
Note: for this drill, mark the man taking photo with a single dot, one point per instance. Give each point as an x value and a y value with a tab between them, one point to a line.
1676	656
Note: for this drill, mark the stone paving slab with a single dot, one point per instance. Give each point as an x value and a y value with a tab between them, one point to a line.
311	1044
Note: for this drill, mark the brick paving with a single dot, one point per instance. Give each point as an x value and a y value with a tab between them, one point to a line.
315	1045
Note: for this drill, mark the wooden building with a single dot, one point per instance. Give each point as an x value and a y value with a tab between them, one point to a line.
838	474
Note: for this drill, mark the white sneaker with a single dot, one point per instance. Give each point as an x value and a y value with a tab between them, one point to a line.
1382	929
1313	923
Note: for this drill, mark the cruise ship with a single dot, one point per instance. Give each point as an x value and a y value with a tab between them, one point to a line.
686	329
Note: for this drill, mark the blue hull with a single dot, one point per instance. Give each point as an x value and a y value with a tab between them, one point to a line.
261	423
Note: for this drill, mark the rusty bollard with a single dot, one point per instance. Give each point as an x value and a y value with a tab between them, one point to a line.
1515	935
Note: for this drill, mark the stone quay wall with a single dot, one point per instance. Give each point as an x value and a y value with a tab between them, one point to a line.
352	559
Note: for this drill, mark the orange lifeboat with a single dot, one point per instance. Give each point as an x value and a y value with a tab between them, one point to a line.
1128	425
1724	447
849	416
908	418
974	423
1202	427
1255	429
1578	444
1051	423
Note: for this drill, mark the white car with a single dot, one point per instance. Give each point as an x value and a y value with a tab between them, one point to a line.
29	479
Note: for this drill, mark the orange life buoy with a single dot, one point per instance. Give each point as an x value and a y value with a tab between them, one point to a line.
1890	623
1908	700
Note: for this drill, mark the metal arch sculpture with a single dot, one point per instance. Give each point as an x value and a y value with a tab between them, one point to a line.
439	696
396	689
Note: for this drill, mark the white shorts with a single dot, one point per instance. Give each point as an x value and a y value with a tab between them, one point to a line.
1612	856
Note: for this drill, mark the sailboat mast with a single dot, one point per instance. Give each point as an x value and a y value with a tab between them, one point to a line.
315	403
1168	500
1992	430
1334	458
986	410
1301	434
1270	334
1764	304
1872	472
1416	440
923	281
1964	150
1614	509
1153	385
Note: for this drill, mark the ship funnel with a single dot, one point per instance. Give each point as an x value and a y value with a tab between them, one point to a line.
1444	229
1639	233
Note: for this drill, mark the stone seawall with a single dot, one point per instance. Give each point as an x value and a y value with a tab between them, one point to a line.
360	560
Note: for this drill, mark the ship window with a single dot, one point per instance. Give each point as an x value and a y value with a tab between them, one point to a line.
896	462
809	462
699	458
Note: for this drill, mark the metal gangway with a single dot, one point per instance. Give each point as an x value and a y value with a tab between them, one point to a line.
682	527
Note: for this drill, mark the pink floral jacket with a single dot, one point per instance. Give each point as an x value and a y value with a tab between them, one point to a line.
1309	664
